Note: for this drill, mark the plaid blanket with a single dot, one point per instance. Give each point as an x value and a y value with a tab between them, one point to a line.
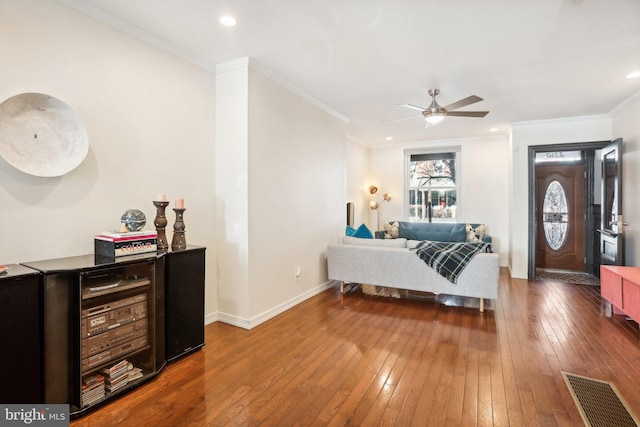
448	258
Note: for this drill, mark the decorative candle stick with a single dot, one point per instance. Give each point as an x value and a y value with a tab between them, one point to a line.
179	241
161	222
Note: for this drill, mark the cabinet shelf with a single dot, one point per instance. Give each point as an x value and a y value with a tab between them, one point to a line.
77	411
106	363
107	287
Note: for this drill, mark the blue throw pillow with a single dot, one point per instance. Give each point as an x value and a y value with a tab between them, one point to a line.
349	231
363	232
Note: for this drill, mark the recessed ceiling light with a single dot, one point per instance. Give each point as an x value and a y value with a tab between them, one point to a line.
389	138
633	75
228	21
493	130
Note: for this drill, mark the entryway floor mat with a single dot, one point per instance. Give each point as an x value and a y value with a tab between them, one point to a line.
567	277
599	402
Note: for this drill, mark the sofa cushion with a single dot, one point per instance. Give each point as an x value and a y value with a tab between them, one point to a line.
389	243
405	230
349	231
363	232
435	231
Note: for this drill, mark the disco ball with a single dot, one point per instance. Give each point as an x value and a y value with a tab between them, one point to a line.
133	219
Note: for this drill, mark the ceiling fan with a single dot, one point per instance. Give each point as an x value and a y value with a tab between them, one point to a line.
434	114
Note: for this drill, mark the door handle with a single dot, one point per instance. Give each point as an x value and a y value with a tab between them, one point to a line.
625	223
607	233
618	224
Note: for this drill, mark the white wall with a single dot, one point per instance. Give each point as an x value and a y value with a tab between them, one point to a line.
149	118
626	125
287	198
231	190
483	186
357	167
523	135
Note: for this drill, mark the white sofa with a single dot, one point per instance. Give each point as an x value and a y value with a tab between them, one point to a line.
390	263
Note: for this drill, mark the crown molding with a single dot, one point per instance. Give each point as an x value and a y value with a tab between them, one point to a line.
352	139
248	62
123	26
625	104
255	65
127	28
443	142
560	120
236	64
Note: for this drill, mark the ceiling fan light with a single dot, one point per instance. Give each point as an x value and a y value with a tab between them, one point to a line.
434	118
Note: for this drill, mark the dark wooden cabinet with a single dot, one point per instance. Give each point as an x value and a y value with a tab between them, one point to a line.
57	335
103	327
184	302
21	326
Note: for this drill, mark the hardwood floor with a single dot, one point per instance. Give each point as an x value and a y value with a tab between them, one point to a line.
367	361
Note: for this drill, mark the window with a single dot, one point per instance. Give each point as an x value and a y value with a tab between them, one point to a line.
555	214
431	184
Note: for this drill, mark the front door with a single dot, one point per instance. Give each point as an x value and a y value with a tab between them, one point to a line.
612	227
560	217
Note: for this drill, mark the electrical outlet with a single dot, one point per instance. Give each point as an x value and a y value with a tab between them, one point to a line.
298	273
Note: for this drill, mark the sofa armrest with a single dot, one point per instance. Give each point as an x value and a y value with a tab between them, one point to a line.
487	239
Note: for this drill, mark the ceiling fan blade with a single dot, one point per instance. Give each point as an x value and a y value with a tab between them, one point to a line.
399	120
467	113
413	107
462	103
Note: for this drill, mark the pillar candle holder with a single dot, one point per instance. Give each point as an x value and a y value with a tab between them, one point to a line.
179	241
161	222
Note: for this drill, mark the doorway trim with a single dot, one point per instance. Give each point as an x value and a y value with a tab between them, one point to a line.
589	187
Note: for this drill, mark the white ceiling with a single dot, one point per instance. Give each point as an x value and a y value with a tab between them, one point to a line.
529	60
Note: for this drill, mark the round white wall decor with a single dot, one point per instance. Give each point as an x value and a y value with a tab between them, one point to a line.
40	135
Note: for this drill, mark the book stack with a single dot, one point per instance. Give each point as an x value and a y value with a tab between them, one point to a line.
112	244
117	376
93	389
134	373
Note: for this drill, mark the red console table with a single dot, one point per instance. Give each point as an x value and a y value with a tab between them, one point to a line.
621	287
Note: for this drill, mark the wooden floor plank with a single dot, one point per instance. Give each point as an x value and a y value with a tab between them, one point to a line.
354	359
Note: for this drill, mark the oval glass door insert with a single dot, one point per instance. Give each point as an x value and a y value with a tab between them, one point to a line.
555	213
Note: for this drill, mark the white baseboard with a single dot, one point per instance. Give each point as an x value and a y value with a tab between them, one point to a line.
269	314
211	317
